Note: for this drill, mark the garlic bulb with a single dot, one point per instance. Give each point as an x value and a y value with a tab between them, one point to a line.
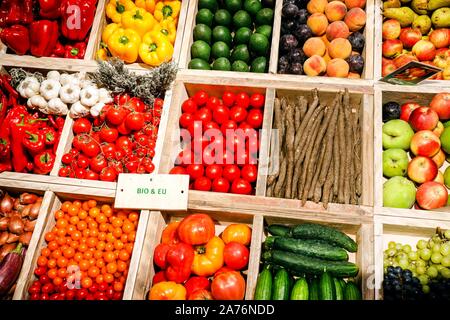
37	101
89	96
77	110
95	110
69	93
104	96
53	75
29	87
56	106
65	78
50	89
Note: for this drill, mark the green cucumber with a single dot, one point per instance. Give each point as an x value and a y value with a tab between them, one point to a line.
263	289
281	286
327	289
300	290
320	232
339	290
300	264
343	285
312	248
352	292
314	289
279	230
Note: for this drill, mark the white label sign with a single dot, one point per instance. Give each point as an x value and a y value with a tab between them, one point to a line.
152	192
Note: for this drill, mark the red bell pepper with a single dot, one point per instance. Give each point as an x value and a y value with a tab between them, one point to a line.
43	162
44	37
76	51
50	9
17	38
33	141
160	254
179	260
76	23
16	12
197	283
159	277
59	50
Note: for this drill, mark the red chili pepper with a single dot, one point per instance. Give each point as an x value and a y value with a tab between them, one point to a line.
60	121
16	12
43	162
6	84
77	31
17	38
59	50
3	108
50	9
76	51
44	37
34	141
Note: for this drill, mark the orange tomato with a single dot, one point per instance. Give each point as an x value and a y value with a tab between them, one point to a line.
93	271
128	227
83	247
88	255
121	266
98	254
74	220
82	214
85	206
53	245
94	233
124	238
69	252
118	244
101	236
82	225
92	203
129	248
117	233
86	282
61	240
42	261
109	246
100	263
62	273
132	236
91	242
108	277
52	273
59	214
78	257
71	228
103	227
124	255
73	210
133	216
65	206
118	287
86	234
99	279
57	281
62	262
76	236
50	236
56	254
117	223
109	256
111	267
74	244
101	218
77	203
45	252
94	212
84	265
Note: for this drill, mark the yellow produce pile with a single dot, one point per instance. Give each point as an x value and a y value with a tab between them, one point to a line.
140	30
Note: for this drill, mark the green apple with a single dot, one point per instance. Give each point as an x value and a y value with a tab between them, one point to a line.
397	134
399	192
445	140
447	177
395	162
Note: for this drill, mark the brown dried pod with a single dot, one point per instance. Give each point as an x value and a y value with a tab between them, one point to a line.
16	225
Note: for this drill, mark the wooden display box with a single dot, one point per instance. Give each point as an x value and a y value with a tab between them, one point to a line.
401	230
52	202
401	95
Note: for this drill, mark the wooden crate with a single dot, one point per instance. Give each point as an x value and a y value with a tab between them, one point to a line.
360	230
52	202
156	224
102	22
404	231
400	94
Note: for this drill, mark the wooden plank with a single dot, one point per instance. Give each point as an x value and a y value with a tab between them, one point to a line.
365	259
276	34
63	145
377	153
75	65
378	260
255	256
369	31
367	135
96	31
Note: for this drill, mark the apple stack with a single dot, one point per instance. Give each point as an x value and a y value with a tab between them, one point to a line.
424	132
417	32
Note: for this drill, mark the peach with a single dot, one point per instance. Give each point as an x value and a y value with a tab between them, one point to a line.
327	57
355	3
335	11
391	29
424	50
314	46
355	19
338	68
337	29
392	48
318	23
325	40
315	66
317	6
340	48
352	75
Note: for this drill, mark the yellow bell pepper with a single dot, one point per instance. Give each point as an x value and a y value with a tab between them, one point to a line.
208	259
168	28
166	9
139	20
148	5
115	9
109	30
155	49
102	54
124	44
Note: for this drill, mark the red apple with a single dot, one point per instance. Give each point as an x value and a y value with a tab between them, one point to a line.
392	48
425	143
442	58
439	158
432	195
424	50
391	29
439	178
422	169
406	110
439	129
440	38
409	37
441	104
423	118
403	59
387	67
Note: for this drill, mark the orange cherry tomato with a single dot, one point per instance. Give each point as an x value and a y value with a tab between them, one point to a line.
42	261
86	282
59	214
45	252
65	206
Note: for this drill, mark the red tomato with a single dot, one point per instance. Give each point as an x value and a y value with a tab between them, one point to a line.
242	100
228	286
238	114
197	283
221	114
213	171
67	158
108	134
201	294
185	157
212	103
210	126
257	100
195	127
90	148
255	118
82	125
79	141
98	163
108	149
80	173
186	120
196	229
200	98
177	170
189	106
123	129
64	172
119	154
149	167
108	174
82	161
91	175
241	186
116	116
132	166
228	125
231	172
202	184
228	99
204	115
136	104
235	255
249	172
220	185
195	171
124	143
122	98
157	107
135	121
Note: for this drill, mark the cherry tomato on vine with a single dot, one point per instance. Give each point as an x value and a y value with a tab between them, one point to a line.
82	161
136	104
98	163
257	100
90	148
135	121
242	100
122	98
201	97
249	172
116	116
82	125
108	134
228	99
108	174
189	106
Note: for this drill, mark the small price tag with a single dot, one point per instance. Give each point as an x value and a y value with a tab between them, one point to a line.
166	192
411	73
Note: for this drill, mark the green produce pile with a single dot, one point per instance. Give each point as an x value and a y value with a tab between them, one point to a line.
232	35
307	262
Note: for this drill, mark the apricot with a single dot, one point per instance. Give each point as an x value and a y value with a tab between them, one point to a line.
352	75
314	46
315	66
337	29
338	68
316	6
335	11
355	4
355	19
340	48
318	23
